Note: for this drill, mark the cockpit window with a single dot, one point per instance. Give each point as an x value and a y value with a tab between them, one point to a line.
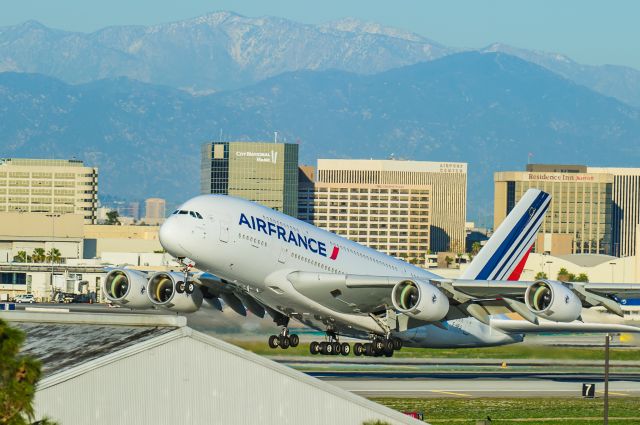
183	212
198	215
175	212
192	214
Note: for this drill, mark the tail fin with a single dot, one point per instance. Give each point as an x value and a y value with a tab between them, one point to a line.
504	255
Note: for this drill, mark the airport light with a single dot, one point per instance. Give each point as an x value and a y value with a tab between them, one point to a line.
607	340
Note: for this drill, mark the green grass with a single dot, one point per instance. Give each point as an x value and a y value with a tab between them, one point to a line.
547	411
516	351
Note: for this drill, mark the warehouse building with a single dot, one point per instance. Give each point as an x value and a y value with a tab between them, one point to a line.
152	369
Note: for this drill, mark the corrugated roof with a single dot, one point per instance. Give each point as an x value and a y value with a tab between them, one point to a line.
62	346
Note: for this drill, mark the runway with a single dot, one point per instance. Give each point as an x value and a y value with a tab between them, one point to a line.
465	385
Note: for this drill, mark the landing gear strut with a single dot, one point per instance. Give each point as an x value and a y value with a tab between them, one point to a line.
185	285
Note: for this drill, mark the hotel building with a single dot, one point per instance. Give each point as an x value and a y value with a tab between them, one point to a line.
402	208
579	219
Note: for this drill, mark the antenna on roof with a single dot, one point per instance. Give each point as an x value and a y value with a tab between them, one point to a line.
275	137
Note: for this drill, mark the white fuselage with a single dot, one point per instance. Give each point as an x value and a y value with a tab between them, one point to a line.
255	248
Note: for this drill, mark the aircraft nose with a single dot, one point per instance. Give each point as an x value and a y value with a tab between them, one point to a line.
170	234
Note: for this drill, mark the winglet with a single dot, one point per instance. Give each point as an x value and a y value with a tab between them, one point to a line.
504	255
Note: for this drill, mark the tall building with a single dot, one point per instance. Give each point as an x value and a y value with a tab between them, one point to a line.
263	172
154	211
404	208
51	186
626	208
579	219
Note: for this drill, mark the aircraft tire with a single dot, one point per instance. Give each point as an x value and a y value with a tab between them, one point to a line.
274	341
190	287
379	345
284	341
314	347
345	349
397	344
337	348
358	349
294	340
180	287
388	346
368	349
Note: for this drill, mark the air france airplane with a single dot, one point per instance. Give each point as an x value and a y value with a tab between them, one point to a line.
259	260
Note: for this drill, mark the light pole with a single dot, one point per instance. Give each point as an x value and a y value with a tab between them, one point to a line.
53	244
606	378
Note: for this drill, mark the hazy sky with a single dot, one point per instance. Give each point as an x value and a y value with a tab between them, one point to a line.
593	32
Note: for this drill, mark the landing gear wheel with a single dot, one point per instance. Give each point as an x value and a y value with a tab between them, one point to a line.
378	345
314	347
190	287
274	341
336	348
388	346
397	344
284	341
180	287
294	340
358	349
326	348
345	349
388	353
368	349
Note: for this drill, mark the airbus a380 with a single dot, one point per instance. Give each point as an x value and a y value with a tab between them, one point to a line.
263	261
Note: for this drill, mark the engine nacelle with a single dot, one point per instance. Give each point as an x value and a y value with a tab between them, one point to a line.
552	300
162	291
420	300
127	288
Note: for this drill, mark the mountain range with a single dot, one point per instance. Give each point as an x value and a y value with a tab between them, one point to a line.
488	109
223	51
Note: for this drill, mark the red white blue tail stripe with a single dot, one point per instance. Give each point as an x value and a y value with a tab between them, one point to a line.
502	258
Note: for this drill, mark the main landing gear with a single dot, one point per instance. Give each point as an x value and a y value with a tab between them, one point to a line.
378	347
331	347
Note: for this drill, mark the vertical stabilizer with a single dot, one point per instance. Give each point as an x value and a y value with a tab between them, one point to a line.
504	255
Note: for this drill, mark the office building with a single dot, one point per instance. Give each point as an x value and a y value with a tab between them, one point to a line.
626	208
403	208
49	186
262	172
154	211
579	219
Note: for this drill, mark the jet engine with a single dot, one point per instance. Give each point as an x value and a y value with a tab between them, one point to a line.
552	300
420	300
168	290
127	288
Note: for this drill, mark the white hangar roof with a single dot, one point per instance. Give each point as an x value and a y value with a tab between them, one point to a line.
173	374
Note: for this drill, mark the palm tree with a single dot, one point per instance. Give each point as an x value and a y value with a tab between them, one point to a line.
21	257
38	255
54	256
18	378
